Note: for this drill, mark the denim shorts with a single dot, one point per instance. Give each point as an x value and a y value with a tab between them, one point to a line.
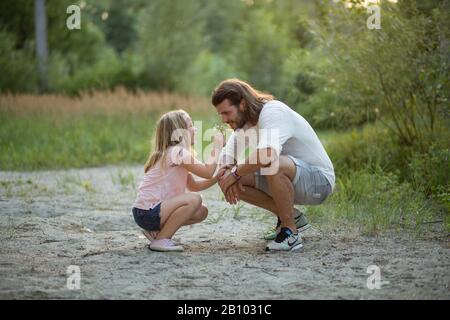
310	184
148	219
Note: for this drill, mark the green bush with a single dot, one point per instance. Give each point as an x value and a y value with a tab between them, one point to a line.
374	148
401	70
263	42
430	173
18	70
207	71
101	74
367	148
170	39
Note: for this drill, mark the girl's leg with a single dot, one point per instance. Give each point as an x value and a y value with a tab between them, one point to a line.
176	212
198	216
150	235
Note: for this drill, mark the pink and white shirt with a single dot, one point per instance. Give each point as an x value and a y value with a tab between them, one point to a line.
161	184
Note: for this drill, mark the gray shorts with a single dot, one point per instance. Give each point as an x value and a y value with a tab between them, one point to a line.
310	184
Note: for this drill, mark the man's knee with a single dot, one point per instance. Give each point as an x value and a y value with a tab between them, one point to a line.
286	169
280	174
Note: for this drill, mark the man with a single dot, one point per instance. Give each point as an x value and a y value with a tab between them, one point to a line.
289	166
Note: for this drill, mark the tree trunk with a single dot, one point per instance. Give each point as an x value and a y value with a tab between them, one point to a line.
40	22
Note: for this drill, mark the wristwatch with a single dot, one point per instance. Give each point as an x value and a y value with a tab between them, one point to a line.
234	173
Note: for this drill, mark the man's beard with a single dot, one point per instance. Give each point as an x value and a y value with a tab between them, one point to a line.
241	121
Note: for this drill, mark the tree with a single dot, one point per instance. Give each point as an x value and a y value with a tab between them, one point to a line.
41	42
171	37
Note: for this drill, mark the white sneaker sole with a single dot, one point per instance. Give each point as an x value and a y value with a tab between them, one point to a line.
294	248
165	249
297	247
305	227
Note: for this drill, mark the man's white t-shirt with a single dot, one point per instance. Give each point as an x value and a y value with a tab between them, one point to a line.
288	133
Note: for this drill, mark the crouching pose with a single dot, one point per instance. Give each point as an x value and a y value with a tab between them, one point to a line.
289	166
162	205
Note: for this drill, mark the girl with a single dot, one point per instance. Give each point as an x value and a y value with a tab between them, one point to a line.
162	205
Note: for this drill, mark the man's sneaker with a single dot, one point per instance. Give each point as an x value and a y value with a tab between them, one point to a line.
286	240
300	222
165	245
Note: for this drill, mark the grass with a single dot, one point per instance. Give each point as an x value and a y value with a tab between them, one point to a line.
381	185
375	202
25	189
37	142
105	102
216	218
124	178
237	209
52	132
49	132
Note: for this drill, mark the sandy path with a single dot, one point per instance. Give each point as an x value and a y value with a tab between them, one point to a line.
51	220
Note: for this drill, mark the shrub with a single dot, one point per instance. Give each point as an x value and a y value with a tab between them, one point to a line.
401	69
18	70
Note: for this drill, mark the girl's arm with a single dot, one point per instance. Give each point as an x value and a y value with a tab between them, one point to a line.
199	185
204	170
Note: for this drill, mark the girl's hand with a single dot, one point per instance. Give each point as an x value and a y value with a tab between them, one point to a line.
221	172
219	140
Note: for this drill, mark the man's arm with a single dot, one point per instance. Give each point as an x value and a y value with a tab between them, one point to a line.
227	159
258	159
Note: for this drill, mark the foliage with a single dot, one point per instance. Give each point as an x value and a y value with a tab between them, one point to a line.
399	72
382	95
375	202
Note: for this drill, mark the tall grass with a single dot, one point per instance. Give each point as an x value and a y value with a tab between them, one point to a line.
382	184
118	100
374	202
56	131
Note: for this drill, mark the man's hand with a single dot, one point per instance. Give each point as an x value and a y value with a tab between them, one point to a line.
230	186
226	181
232	194
220	174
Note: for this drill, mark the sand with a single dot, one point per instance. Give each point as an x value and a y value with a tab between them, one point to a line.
51	220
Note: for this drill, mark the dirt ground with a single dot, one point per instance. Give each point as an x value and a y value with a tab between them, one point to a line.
55	219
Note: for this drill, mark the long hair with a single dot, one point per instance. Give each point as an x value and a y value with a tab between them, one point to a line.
236	90
171	130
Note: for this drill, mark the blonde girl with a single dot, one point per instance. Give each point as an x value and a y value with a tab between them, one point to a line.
163	204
